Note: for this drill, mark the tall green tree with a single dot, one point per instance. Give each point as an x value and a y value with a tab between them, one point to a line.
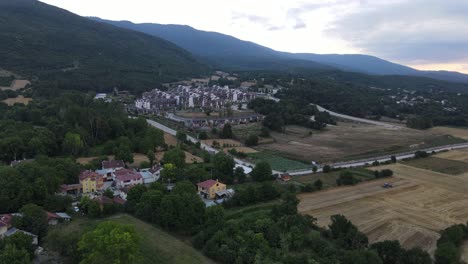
33	219
110	242
72	144
227	131
262	172
224	167
175	156
12	255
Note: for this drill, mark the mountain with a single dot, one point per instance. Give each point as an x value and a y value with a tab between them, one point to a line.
227	51
221	50
62	50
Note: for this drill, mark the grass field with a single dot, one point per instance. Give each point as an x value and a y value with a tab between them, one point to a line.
156	245
329	179
457	132
278	163
348	141
437	164
16	85
421	203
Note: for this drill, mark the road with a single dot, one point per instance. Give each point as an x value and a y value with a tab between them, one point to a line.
357	119
202	145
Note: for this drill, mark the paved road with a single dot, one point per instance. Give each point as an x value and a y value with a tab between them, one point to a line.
203	145
357	119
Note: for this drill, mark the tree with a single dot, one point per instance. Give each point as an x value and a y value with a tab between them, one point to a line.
169	173
73	144
123	152
227	131
346	178
181	137
151	157
447	253
318	184
12	255
262	172
346	234
21	241
393	159
326	169
390	252
134	197
224	166
94	210
109	193
314	169
33	219
252	140
110	242
175	156
264	132
239	174
416	256
202	135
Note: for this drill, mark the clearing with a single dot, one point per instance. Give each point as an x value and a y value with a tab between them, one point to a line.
170	140
156	245
17	85
420	204
348	141
19	99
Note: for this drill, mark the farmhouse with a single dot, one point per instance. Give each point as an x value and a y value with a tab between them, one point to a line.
209	188
91	181
126	177
109	167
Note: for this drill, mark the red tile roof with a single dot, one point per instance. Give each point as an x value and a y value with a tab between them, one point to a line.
127	175
90	175
51	216
119	200
207	184
6	219
113	164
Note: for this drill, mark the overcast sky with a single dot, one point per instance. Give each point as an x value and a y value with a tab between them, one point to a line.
425	34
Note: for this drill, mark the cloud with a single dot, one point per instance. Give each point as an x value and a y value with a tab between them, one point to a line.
410	31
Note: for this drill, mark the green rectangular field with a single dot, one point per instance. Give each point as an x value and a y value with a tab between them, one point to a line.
278	163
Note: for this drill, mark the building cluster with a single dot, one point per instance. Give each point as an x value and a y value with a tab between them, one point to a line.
114	176
184	97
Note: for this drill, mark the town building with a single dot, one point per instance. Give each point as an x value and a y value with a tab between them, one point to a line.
109	167
91	181
126	177
209	188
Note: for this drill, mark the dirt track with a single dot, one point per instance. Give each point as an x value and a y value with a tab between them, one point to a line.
420	204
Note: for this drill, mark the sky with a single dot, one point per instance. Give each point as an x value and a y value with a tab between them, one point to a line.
424	34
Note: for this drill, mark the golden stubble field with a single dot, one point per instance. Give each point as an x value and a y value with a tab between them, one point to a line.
421	203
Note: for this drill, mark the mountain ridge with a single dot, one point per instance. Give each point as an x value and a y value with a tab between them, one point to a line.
210	45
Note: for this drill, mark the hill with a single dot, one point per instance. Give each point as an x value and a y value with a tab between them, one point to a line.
64	50
231	52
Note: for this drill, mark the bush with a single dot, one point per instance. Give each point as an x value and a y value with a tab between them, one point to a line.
346	178
326	169
252	140
383	173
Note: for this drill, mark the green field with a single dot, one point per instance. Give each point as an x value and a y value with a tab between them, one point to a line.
329	179
446	166
278	163
156	245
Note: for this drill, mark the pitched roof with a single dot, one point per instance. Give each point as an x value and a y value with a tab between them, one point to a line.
51	216
207	184
112	164
87	174
127	175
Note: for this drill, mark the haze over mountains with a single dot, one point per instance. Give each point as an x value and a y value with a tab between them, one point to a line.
233	53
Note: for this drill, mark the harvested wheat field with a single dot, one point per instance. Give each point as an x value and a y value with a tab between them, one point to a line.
456	132
189	157
170	140
19	99
348	141
245	150
419	205
460	155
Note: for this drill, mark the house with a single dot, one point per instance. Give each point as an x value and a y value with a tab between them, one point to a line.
285	177
71	189
52	219
64	217
225	194
91	181
14	230
126	177
151	175
208	188
110	166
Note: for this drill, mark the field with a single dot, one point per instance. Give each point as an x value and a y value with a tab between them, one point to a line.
437	164
17	85
156	245
278	163
329	179
421	203
170	139
19	99
457	132
245	150
348	141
